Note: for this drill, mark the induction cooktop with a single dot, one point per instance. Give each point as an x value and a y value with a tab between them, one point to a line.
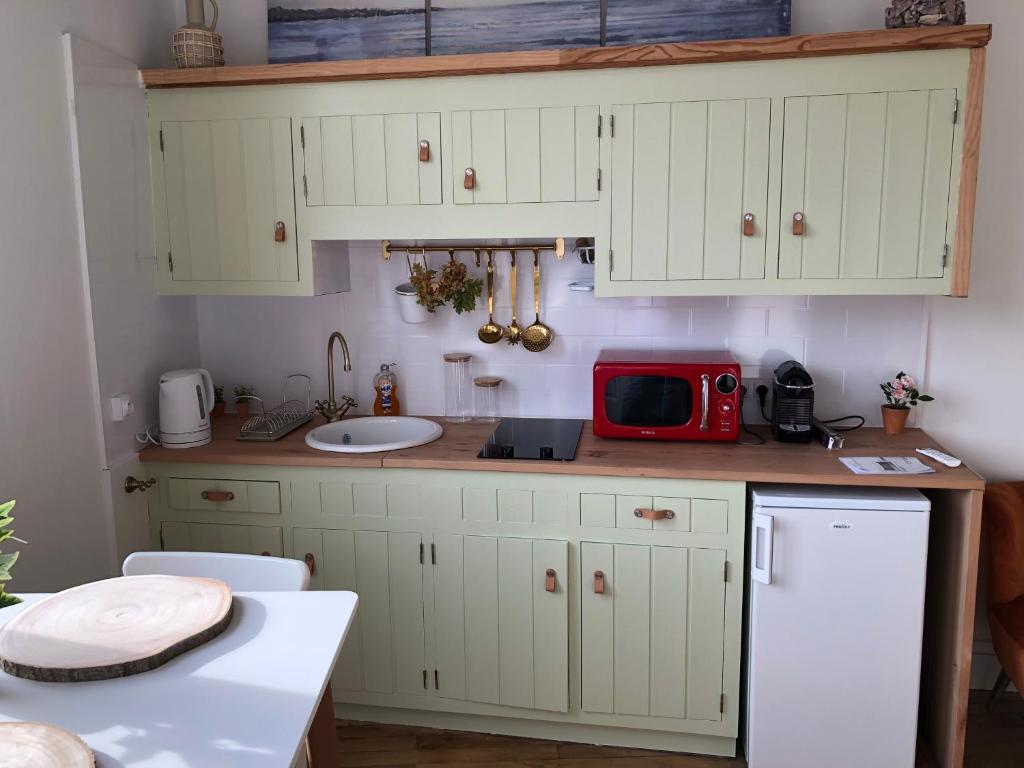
540	439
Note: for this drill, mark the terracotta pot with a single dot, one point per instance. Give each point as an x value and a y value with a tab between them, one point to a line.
242	409
894	419
218	410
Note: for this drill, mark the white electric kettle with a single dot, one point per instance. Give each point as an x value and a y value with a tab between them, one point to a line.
186	397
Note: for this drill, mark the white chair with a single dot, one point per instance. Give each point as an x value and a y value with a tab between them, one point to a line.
243	573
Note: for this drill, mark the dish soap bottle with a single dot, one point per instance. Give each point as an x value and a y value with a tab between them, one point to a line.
386	403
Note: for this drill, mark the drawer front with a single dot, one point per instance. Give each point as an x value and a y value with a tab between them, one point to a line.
261	497
209	537
659	513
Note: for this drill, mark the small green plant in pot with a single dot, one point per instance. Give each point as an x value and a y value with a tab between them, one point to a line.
901	394
243	395
218	402
7	560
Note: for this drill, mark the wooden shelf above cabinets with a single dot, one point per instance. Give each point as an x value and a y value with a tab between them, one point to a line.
756	49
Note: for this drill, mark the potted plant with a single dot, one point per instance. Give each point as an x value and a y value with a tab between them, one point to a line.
243	392
218	402
8	560
900	394
453	285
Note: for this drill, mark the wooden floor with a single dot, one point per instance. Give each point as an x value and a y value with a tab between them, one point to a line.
994	740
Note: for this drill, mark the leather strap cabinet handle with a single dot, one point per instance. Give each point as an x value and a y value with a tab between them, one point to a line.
469	180
748	225
265	553
218	495
549	580
424	151
598	582
798	224
310	562
654	514
279	232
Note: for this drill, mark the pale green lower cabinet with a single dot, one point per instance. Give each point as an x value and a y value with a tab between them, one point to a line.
505	602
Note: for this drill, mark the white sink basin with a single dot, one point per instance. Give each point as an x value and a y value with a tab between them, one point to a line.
369	434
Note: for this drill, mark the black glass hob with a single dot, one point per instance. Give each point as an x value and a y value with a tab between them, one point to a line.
541	439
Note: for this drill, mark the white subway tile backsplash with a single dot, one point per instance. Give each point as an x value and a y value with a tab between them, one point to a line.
848	343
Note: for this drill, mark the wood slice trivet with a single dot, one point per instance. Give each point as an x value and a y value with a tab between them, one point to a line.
113	628
34	745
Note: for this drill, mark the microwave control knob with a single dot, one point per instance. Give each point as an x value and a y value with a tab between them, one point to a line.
725	408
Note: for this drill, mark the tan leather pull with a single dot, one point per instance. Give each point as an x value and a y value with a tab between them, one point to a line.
654	514
310	562
264	553
469	181
218	495
798	224
748	225
598	582
424	151
549	580
279	232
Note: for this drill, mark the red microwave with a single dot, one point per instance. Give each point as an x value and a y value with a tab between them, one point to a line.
666	395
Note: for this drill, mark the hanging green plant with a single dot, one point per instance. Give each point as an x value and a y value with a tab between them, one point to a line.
453	286
7	561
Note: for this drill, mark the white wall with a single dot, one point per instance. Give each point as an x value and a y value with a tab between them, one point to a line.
50	444
845	341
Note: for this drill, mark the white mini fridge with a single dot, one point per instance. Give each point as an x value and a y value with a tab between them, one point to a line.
836	608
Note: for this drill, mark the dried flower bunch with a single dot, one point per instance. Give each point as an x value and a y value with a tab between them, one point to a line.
902	392
453	286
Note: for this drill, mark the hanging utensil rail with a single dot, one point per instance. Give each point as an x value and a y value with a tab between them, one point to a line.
386	248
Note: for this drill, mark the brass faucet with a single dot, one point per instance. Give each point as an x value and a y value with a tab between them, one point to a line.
330	409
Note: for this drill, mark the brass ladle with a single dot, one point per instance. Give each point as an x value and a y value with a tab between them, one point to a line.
538	336
512	332
490	332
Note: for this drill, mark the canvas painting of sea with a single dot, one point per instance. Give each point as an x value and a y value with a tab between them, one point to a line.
633	22
472	26
329	30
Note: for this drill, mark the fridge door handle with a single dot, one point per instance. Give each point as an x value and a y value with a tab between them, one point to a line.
761	561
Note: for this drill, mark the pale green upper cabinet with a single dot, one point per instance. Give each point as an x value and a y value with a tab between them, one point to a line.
870	175
392	159
525	155
227	185
684	176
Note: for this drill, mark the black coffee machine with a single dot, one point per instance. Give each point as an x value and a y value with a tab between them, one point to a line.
792	403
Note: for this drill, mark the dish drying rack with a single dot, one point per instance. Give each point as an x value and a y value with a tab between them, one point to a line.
276	422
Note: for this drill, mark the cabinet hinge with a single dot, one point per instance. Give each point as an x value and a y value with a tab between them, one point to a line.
437	681
161	140
598	179
424	679
721	704
305	187
600	118
170	261
956	111
611	261
945	254
302	136
421	563
611	126
161	541
433	553
725	571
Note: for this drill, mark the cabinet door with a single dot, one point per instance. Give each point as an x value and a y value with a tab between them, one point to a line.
684	177
228	183
502	622
212	537
653	640
384	652
526	155
372	159
870	175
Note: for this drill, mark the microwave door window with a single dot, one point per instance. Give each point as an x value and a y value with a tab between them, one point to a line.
648	401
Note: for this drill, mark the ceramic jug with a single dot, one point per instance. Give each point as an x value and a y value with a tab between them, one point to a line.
195	14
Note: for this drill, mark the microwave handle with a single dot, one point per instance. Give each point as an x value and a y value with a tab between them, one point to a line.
705	395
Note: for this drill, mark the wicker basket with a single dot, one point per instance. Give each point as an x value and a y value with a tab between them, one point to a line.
197	48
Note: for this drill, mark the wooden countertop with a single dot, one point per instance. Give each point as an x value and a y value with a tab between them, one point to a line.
753	49
772	462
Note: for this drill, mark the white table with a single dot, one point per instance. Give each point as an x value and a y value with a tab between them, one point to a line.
247	698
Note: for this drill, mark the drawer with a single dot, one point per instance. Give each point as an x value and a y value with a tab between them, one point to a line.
225	495
210	537
606	510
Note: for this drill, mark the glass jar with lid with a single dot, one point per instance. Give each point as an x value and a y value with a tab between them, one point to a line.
487	397
458	387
